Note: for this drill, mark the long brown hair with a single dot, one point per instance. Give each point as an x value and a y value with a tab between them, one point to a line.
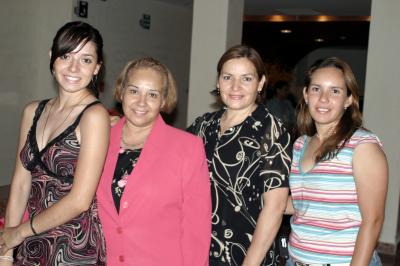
350	121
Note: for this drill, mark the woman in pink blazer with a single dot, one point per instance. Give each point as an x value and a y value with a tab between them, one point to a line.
154	195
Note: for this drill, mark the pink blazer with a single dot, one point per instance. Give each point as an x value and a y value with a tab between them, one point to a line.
165	211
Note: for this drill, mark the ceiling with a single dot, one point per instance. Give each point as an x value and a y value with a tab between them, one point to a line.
306	7
297	7
347	26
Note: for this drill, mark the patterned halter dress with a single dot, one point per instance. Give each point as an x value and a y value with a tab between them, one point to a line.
77	242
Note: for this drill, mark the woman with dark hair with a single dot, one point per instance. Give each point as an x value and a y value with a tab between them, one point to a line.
59	139
248	154
339	174
154	193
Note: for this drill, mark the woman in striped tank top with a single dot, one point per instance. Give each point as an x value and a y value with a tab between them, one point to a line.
338	175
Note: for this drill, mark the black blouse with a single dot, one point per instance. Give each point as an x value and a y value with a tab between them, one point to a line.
247	160
126	162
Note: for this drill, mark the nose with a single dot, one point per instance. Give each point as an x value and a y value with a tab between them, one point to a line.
142	99
74	65
323	96
236	84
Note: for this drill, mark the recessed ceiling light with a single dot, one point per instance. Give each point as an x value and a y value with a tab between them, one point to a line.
286	31
319	40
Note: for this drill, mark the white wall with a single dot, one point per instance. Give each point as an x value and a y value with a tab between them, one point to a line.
382	98
217	25
168	40
27	29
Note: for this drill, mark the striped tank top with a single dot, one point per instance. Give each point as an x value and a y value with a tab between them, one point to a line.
327	218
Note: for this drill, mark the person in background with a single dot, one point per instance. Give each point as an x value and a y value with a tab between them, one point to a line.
339	174
248	154
281	107
154	194
62	147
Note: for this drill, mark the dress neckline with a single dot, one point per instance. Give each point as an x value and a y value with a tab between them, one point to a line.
305	145
234	127
61	135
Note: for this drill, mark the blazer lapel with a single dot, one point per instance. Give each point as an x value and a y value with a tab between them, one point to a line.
143	170
111	162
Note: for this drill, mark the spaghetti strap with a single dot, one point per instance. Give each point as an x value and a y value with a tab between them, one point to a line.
78	118
39	110
79	241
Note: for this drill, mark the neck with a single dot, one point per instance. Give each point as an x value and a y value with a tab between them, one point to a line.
238	116
324	132
134	137
232	117
65	100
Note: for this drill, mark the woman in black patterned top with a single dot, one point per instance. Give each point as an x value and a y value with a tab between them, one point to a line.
249	154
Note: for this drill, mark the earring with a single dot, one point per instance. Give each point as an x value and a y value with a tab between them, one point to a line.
94	79
306	102
259	92
215	91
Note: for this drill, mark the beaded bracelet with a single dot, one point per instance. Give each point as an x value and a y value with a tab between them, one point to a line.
8	258
31	223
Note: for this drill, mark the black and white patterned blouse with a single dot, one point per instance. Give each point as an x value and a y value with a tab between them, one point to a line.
247	160
126	162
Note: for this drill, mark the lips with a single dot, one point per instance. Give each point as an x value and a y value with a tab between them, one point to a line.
322	110
236	97
140	112
72	79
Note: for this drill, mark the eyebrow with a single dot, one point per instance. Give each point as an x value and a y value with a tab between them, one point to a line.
137	87
331	87
92	55
246	74
84	54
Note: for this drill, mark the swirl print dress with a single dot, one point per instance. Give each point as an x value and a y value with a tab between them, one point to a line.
77	242
245	161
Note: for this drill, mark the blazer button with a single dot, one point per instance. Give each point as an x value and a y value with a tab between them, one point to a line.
125	205
121	258
119	230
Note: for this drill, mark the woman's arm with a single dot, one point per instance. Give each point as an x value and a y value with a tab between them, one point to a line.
267	226
289	207
21	180
371	176
196	224
276	171
94	136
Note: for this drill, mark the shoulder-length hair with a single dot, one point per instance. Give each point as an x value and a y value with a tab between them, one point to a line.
351	119
169	90
72	35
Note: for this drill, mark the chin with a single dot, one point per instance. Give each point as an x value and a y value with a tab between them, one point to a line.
142	122
238	106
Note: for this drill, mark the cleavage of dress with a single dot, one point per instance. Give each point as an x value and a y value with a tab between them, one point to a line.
79	241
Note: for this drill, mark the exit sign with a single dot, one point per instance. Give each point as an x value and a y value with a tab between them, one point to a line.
145	21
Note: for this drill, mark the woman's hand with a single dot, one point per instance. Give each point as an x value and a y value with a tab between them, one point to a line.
4	262
114	120
10	237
